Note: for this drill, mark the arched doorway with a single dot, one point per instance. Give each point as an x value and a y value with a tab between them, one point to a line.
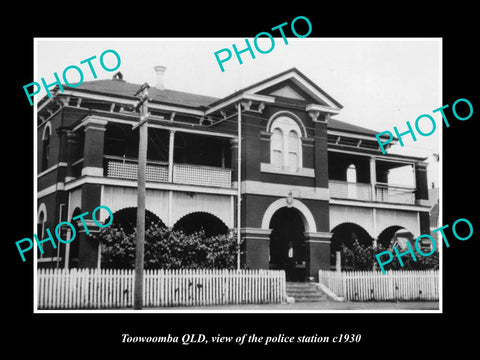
287	243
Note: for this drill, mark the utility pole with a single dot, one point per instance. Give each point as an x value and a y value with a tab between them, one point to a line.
239	180
141	105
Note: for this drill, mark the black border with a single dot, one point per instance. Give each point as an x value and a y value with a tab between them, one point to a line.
382	334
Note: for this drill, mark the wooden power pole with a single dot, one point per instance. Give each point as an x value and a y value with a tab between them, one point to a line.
142	106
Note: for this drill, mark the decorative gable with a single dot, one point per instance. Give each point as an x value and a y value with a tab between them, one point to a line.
287	92
290	84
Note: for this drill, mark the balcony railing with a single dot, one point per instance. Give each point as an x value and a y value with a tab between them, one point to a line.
393	194
202	175
360	191
128	169
349	190
158	172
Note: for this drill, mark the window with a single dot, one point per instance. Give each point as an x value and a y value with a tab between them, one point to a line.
285	144
277	147
351	182
352	174
42	218
45	148
293	145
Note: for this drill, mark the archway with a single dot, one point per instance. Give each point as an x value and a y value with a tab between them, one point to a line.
197	221
127	219
287	243
345	235
395	236
303	211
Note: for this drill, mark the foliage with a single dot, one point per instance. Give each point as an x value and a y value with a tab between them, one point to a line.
362	258
422	262
168	249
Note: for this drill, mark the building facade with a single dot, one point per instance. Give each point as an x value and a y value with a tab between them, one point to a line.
268	162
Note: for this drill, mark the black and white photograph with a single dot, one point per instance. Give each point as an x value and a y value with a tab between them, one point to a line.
259	192
268	190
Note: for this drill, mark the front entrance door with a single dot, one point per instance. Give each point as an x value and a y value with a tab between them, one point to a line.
287	245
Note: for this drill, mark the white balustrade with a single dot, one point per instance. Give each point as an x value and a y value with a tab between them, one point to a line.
394	195
361	191
349	190
202	175
129	170
182	173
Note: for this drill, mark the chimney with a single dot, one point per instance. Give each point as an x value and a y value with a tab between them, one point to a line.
160	71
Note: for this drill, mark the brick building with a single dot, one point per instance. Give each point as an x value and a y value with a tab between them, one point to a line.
307	181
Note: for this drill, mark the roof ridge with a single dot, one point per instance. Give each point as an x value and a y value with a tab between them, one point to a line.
115	87
139	85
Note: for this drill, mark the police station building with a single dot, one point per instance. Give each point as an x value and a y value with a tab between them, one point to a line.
303	182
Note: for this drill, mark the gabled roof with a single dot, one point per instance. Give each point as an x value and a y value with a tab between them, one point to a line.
291	74
124	89
334	124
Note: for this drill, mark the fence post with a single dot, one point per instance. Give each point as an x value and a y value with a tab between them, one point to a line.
338	261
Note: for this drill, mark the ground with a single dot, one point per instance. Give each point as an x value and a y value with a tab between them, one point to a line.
317	306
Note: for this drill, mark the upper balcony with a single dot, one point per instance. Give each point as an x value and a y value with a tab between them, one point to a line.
367	192
173	156
184	157
372	178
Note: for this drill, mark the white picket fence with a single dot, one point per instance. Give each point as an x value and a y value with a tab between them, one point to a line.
375	286
108	289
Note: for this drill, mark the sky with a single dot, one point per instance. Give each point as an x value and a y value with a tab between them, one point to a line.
381	83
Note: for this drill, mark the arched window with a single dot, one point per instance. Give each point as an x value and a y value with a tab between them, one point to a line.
293	149
41	220
45	147
277	147
286	144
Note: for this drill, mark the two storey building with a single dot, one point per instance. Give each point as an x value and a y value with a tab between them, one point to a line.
269	162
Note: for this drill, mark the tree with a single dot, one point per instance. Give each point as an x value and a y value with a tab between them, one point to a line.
362	258
168	249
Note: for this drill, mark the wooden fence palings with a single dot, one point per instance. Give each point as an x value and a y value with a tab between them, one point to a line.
113	288
375	286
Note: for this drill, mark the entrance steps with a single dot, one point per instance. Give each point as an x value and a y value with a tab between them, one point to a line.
305	292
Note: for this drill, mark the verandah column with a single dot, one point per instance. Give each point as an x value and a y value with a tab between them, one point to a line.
89	246
234	158
317	253
73	142
255	248
373	177
91	192
93	146
171	149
